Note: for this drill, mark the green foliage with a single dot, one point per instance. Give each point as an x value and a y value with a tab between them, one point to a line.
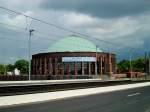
10	67
2	69
138	65
124	65
22	65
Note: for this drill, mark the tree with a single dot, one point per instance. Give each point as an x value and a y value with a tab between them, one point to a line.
10	67
22	65
124	65
138	65
2	69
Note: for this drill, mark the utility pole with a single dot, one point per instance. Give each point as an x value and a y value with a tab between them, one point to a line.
145	67
96	62
149	63
131	65
5	66
29	50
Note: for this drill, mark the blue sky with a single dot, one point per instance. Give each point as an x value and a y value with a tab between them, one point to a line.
123	22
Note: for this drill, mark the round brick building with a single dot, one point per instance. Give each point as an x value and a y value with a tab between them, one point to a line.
73	57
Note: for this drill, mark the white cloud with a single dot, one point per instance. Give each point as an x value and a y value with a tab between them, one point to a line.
16	20
130	30
110	29
127	31
104	28
76	19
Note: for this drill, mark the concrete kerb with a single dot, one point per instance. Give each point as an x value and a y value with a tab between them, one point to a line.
51	81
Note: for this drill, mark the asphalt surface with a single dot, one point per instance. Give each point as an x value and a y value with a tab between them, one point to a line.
132	100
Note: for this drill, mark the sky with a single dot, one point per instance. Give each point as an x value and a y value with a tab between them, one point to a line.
121	22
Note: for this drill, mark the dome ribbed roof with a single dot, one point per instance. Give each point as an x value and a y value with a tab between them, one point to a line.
73	44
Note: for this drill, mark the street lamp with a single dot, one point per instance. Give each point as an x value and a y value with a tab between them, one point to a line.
148	63
96	62
131	65
29	50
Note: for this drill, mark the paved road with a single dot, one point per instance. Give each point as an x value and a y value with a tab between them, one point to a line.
133	100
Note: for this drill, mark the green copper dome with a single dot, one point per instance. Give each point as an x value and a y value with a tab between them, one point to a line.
73	44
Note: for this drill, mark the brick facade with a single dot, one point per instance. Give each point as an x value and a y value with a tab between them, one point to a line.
51	64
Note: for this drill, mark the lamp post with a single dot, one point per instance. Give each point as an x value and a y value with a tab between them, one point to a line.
5	66
131	65
29	50
148	63
96	62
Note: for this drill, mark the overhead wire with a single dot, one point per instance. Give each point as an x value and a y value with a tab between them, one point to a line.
42	37
39	32
130	50
65	29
